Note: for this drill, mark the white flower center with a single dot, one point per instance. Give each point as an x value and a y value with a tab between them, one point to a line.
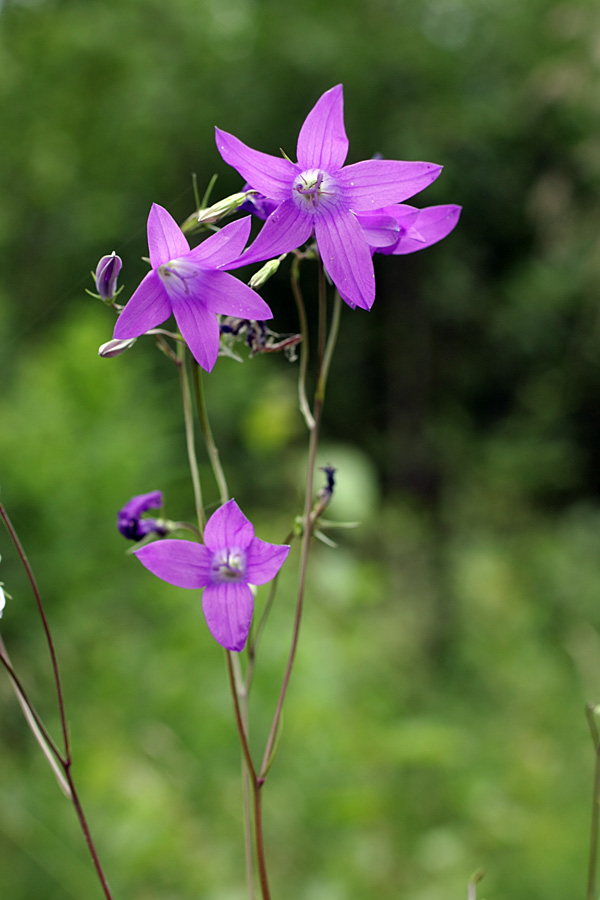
314	189
228	565
176	275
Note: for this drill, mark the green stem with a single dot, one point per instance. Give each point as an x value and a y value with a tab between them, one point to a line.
211	447
304	345
189	435
325	353
591	711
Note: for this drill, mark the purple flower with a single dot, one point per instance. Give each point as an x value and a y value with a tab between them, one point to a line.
319	194
107	272
230	559
192	285
130	523
415	229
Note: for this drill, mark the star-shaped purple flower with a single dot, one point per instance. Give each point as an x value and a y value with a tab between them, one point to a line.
230	559
402	229
192	285
319	194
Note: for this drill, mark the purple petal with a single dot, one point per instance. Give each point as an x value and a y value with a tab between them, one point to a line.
322	142
286	229
227	296
185	564
346	257
222	247
263	560
432	225
200	330
148	307
166	240
228	527
374	183
268	174
379	230
228	611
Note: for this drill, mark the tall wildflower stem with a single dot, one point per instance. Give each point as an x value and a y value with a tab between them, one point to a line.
326	347
186	395
237	683
64	761
38	599
304	344
591	712
209	441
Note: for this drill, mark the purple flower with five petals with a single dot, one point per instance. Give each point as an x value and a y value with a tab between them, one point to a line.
230	559
402	229
319	194
192	285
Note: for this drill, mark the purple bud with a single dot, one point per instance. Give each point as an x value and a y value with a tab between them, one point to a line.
130	523
258	204
107	272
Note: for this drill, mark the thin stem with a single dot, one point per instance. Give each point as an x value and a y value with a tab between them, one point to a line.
37	727
304	345
189	435
260	848
308	528
64	761
334	328
211	447
38	599
238	716
86	833
591	713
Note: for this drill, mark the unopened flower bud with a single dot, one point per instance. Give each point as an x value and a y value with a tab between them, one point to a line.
2	601
263	274
115	348
107	272
130	522
223	208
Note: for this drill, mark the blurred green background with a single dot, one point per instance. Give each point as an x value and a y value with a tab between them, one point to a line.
435	721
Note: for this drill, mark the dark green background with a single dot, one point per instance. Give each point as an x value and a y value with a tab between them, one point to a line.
435	721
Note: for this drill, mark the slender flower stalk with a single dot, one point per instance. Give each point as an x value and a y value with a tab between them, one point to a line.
591	711
189	435
308	527
64	761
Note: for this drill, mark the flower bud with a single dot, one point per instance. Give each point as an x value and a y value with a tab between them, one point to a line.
107	272
223	208
130	522
263	274
2	601
115	348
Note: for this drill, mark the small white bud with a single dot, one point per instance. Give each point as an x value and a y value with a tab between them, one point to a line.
115	348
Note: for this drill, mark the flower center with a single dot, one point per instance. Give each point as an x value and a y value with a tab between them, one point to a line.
176	274
314	189
228	565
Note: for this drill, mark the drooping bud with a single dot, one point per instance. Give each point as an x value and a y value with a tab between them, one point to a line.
263	274
115	348
130	522
107	272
